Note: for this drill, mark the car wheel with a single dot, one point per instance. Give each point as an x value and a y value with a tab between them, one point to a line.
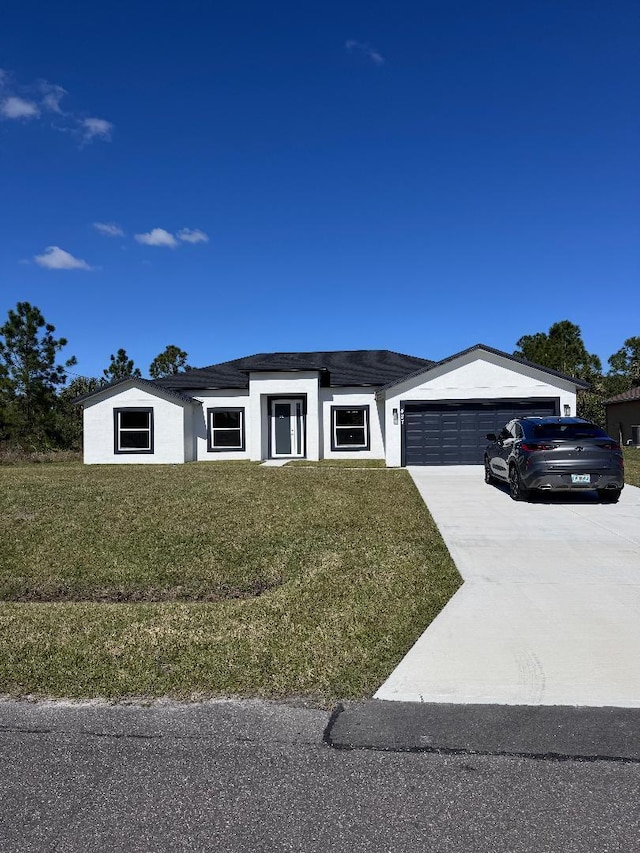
517	491
488	476
609	496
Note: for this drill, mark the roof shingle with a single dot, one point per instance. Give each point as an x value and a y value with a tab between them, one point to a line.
625	396
341	367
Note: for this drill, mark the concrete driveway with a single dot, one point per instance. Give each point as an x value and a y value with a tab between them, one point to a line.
549	613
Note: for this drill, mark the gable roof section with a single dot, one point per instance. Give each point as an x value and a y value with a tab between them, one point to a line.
484	348
340	368
152	386
625	396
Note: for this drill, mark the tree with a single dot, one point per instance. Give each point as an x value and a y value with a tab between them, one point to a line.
120	367
171	361
624	367
68	423
29	375
561	349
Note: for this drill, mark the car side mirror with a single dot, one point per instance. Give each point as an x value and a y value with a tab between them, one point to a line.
491	436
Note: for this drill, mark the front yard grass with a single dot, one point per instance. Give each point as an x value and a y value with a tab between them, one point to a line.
212	580
632	466
338	463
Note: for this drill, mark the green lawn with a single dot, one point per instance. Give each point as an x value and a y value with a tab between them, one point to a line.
212	580
632	466
338	463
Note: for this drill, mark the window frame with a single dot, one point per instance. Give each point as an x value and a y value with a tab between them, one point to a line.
351	448
117	429
211	429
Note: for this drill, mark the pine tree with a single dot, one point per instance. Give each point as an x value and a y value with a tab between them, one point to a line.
171	361
30	376
120	367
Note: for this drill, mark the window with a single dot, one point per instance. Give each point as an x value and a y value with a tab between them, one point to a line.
225	429
133	430
568	430
350	427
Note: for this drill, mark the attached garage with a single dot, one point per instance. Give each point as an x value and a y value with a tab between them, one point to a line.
453	432
440	415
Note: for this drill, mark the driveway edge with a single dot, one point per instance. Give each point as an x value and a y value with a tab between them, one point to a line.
535	731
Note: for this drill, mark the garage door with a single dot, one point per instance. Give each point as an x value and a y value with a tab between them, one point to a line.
454	432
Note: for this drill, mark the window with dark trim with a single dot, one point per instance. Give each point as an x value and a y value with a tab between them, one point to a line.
350	427
133	430
225	429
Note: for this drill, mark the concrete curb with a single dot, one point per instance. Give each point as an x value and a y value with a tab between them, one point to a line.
540	731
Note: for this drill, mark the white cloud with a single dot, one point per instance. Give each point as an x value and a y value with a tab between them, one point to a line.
51	97
109	229
42	100
55	258
96	128
192	235
157	237
15	107
366	50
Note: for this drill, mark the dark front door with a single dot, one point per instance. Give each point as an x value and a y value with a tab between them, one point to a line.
287	428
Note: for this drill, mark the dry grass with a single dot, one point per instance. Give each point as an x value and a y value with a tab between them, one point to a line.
349	564
632	466
10	455
337	463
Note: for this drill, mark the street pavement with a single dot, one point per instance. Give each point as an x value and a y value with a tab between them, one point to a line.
257	776
549	612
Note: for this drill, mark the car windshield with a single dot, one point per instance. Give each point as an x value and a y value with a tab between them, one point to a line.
568	431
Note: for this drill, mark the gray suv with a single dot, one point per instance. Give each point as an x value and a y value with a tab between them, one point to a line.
554	454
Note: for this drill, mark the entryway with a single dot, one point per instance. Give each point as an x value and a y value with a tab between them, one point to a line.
287	433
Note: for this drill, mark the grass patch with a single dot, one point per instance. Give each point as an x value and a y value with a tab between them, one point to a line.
337	463
632	466
349	576
19	456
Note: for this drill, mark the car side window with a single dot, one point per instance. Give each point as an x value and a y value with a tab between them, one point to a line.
518	432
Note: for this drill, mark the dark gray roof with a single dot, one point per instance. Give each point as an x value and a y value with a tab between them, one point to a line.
337	368
625	396
152	385
511	357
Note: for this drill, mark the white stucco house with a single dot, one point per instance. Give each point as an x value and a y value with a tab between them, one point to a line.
365	404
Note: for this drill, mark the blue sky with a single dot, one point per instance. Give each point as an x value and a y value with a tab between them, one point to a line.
417	176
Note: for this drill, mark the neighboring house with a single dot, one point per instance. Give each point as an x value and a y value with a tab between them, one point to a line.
623	416
365	404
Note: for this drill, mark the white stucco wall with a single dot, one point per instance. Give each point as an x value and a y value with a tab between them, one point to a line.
352	397
473	376
212	399
263	385
169	428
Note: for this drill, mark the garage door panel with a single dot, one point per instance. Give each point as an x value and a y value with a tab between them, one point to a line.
454	432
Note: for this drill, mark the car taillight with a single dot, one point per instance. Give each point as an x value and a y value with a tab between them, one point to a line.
531	447
610	445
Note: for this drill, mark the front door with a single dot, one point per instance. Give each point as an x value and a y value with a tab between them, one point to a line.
287	428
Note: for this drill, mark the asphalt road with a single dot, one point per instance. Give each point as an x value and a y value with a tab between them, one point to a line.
257	776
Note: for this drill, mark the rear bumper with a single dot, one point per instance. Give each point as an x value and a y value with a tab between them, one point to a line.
542	478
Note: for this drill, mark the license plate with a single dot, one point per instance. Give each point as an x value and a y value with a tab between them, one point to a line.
581	478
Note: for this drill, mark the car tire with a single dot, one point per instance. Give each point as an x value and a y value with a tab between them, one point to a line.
488	476
609	496
517	491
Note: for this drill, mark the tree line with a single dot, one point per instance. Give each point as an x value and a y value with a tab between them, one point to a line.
37	386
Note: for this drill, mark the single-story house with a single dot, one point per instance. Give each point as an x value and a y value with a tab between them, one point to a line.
359	404
623	416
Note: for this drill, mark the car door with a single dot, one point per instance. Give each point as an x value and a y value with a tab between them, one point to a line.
504	445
